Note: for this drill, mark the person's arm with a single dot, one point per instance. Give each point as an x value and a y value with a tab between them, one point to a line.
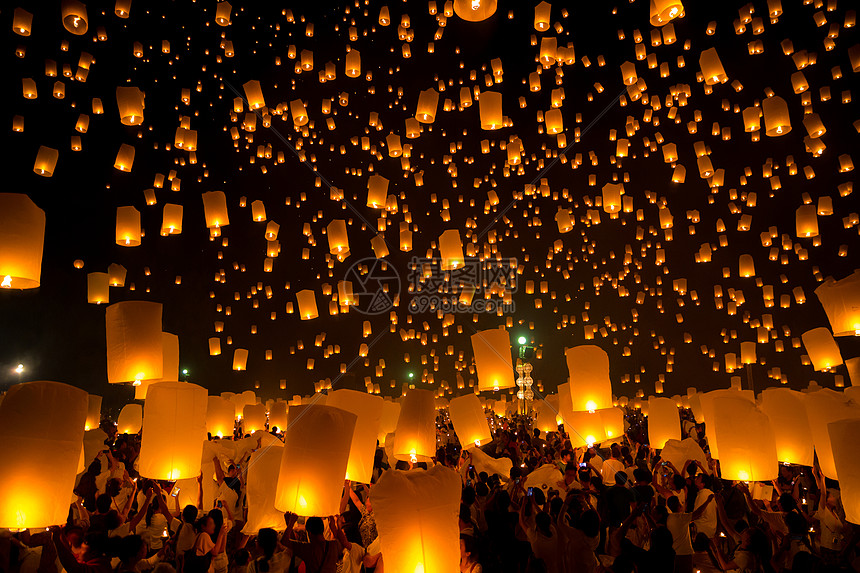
822	490
750	501
338	533
290	519
697	513
83	514
200	491
65	555
127	508
355	499
219	471
141	513
722	563
723	520
162	505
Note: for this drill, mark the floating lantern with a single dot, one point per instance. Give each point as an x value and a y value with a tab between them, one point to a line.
664	11
127	226
806	221
787	414
490	107
22	22
747	444
46	161
254	94
388	421
174	429
368	411
253	418
215	209
428	101
776	119
475	10
469	421
415	435
129	101
822	349
377	191
278	413
841	302
134	341
261	489
98	288
416	517
124	157
492	352
590	388
451	250
663	422
222	13
338	240
74	17
307	304
41	441
220	415
712	67
22	236
130	419
353	63
316	452
240	359
94	412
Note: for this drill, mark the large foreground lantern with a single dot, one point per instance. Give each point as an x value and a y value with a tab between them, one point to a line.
787	414
388	421
316	452
841	302
41	439
220	415
664	424
416	517
822	349
22	235
590	388
822	408
707	410
174	429
368	411
747	445
546	414
253	418
130	419
475	10
469	421
664	11
843	441
134	341
261	489
492	350
94	412
130	104
278	415
74	17
415	435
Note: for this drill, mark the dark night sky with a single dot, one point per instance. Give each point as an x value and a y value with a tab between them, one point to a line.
57	335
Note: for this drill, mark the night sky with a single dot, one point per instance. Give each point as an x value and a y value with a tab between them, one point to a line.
57	335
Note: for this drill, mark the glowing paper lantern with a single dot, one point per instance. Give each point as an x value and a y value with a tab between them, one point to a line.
74	17
338	241
94	412
546	416
22	22
388	420
214	346
822	408
843	441
134	341
678	452
663	422
806	221
307	304
298	112
613	423
41	440
316	452
490	108
22	236
707	410
220	415
254	94
787	414
98	288
469	421
712	67
475	10
841	302
428	101
127	226
590	388
240	359
368	411
278	415
492	351
822	349
416	517
664	11
130	419
215	209
174	429
261	489
747	444
377	191
222	13
46	161
415	435
776	119
129	101
253	418
451	250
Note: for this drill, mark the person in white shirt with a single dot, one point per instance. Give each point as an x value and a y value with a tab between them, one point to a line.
706	522
612	465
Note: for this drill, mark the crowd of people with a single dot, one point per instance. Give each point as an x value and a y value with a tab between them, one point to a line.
619	508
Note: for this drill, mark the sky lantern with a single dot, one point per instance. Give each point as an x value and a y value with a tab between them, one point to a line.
806	221
258	211
254	94
338	241
613	422
222	13
843	441
490	108
542	16
129	101
353	63
74	16
220	414
664	11
298	112
368	411
215	209
712	67
22	22
821	348
240	359
451	250
841	302
415	434
124	157
492	351
590	388
663	422
46	161
214	346
253	418
261	489
134	341
94	412
787	414
130	419
416	517
316	451
307	304
388	420
127	226
377	191
776	119
469	421
41	439
746	266
747	443
278	413
98	288
428	101
122	8
822	408
705	402
174	429
22	236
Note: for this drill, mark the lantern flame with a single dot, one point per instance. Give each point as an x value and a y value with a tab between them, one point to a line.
7	282
476	5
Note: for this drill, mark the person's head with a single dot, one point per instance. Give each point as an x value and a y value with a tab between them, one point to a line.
481	489
756	541
641	476
206	524
468	495
401	465
565	455
131	549
112	520
267	540
661	514
796	523
674	504
615	452
113	486
787	503
702	481
589	523
620	478
515	473
189	513
701	543
678	482
103	503
468	549
465	516
537	433
570	470
242	557
539	496
314	526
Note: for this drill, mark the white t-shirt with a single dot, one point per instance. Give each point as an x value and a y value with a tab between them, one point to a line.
679	525
832	530
707	522
610	467
546	548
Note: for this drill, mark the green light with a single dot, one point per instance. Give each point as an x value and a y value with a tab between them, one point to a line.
185	371
522	340
411	375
